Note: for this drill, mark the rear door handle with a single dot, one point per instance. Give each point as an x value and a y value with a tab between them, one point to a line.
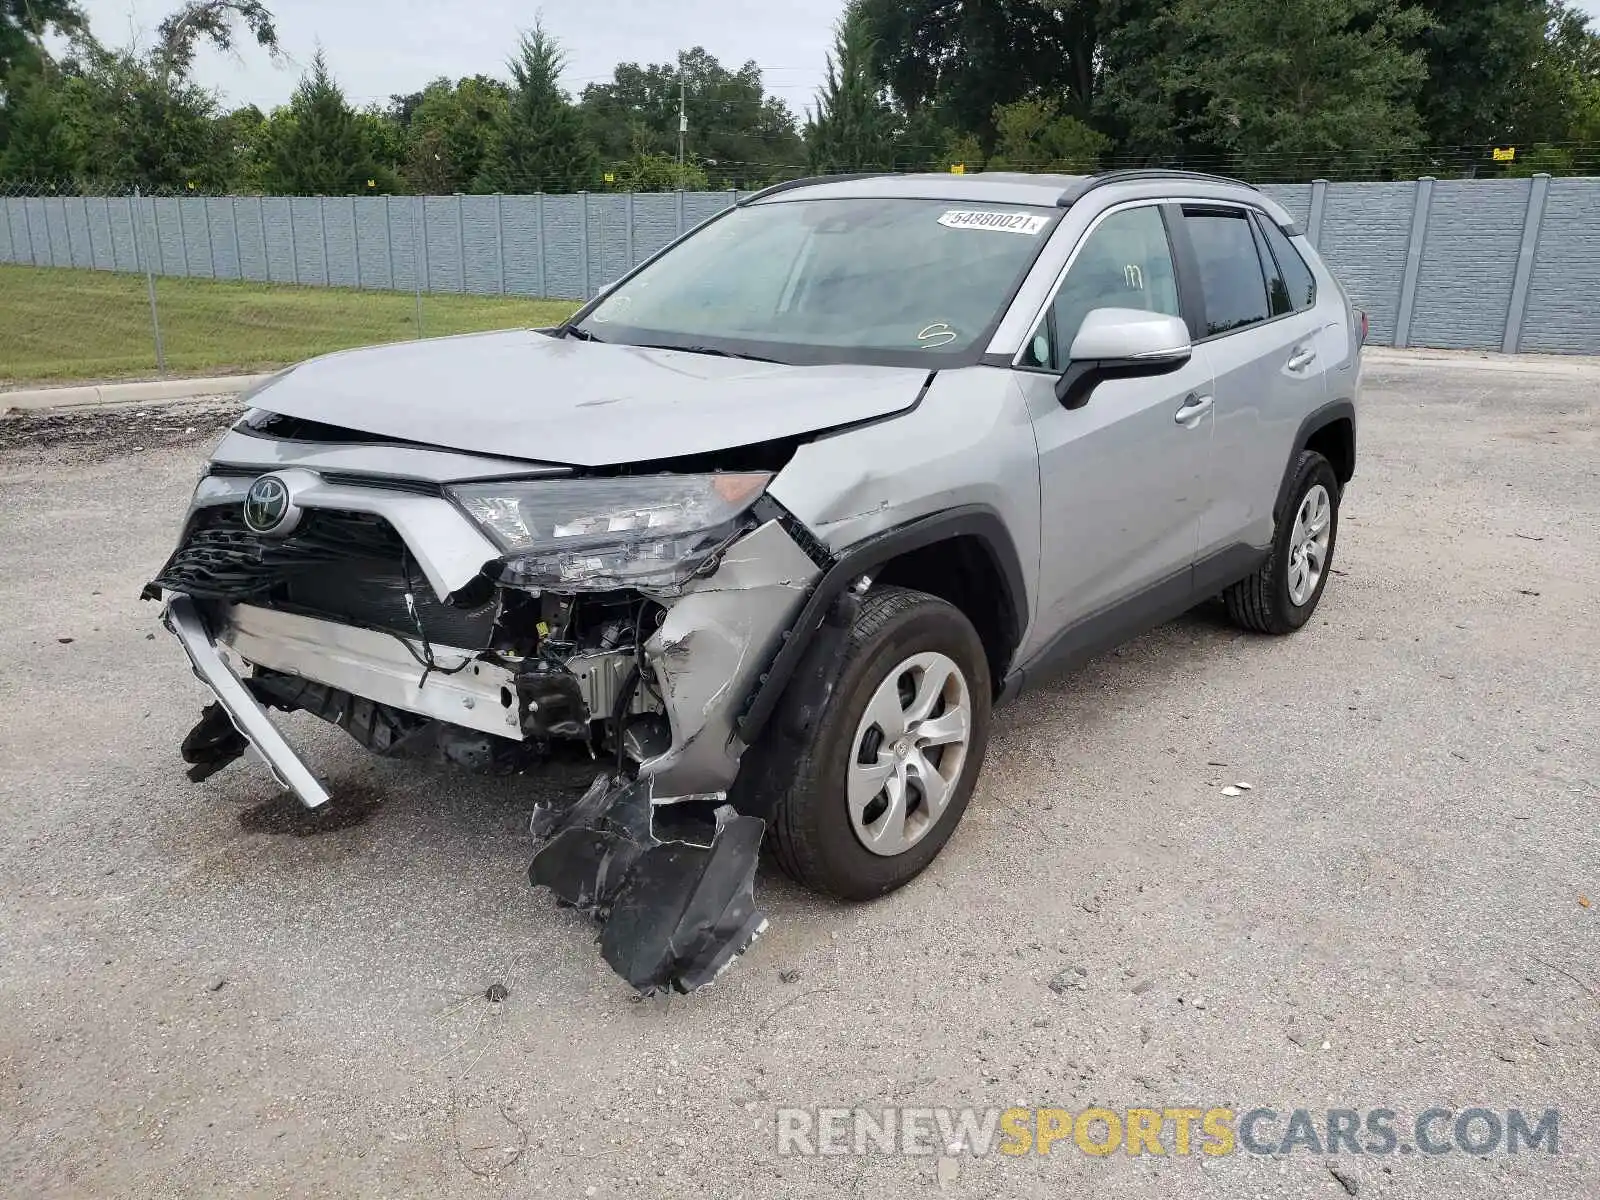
1302	358
1194	407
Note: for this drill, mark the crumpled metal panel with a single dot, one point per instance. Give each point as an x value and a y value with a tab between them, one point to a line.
710	649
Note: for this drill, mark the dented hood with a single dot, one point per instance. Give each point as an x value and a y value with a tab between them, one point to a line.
523	394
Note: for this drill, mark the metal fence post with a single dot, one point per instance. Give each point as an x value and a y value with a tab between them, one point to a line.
680	212
266	250
500	238
461	248
388	239
544	292
27	228
238	246
583	226
1319	201
322	229
416	259
88	225
72	251
141	259
211	245
1414	248
294	245
183	237
628	214
355	239
1531	222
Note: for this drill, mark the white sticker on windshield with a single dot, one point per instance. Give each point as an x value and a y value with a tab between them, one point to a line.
1030	224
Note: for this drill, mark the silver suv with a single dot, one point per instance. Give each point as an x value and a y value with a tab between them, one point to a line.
773	524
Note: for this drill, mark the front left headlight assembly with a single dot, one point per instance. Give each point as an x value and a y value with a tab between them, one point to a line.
646	531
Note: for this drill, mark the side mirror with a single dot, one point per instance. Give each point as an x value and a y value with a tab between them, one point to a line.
1121	343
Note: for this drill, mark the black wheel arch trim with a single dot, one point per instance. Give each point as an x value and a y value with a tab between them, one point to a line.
972	520
1317	420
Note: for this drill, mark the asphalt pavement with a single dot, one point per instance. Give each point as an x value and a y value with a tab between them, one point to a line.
204	991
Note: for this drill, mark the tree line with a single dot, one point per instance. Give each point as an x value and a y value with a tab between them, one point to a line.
1266	89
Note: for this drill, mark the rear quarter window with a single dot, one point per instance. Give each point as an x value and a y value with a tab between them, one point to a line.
1298	280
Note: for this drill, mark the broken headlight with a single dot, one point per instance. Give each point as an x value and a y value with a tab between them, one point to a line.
646	531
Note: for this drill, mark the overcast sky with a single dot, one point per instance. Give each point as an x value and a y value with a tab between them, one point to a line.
379	47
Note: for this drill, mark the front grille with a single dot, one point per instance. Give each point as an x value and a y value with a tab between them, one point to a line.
347	567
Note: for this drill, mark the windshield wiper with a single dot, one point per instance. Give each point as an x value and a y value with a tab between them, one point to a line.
583	335
714	351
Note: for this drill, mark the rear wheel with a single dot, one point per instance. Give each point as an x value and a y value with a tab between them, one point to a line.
1281	596
893	760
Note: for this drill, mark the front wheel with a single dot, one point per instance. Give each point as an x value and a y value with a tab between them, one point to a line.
1283	593
893	760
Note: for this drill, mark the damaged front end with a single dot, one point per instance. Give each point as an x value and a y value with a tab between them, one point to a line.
629	617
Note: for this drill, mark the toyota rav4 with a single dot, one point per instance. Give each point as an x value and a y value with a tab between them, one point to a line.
774	523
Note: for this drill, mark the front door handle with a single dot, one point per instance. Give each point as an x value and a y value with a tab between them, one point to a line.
1194	407
1302	358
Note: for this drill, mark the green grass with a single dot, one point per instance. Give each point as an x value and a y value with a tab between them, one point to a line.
61	325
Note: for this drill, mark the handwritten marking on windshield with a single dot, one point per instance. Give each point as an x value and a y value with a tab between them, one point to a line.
936	335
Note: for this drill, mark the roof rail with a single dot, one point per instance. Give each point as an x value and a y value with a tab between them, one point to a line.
810	181
1078	190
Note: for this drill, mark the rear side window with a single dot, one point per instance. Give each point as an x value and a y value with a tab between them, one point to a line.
1298	280
1230	269
1277	291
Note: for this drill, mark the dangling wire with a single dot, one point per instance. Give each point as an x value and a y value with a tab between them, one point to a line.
426	659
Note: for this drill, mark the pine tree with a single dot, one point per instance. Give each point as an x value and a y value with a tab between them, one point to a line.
539	142
854	126
318	145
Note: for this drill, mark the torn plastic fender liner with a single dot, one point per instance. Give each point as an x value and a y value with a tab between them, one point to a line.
675	913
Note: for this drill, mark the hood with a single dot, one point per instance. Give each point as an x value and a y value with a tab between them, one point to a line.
522	394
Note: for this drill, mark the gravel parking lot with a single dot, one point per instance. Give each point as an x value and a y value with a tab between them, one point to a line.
203	992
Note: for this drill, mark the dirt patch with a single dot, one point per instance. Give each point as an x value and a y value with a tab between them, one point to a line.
92	435
351	805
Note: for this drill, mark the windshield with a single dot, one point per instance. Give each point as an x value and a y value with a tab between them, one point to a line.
859	279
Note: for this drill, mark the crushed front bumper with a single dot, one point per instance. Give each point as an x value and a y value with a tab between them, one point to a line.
249	718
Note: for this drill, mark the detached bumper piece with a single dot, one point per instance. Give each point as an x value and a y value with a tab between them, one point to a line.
209	746
677	907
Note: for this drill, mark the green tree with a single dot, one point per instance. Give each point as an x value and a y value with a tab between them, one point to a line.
854	126
538	142
148	127
319	145
737	133
46	130
244	133
23	25
1478	54
449	133
647	171
1266	88
1034	135
212	21
966	58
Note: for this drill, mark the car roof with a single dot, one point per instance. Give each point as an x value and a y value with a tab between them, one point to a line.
1007	187
995	187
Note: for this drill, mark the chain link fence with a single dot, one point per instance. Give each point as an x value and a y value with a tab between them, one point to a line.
102	286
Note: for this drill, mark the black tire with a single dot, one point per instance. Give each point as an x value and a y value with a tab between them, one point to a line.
1261	602
810	833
